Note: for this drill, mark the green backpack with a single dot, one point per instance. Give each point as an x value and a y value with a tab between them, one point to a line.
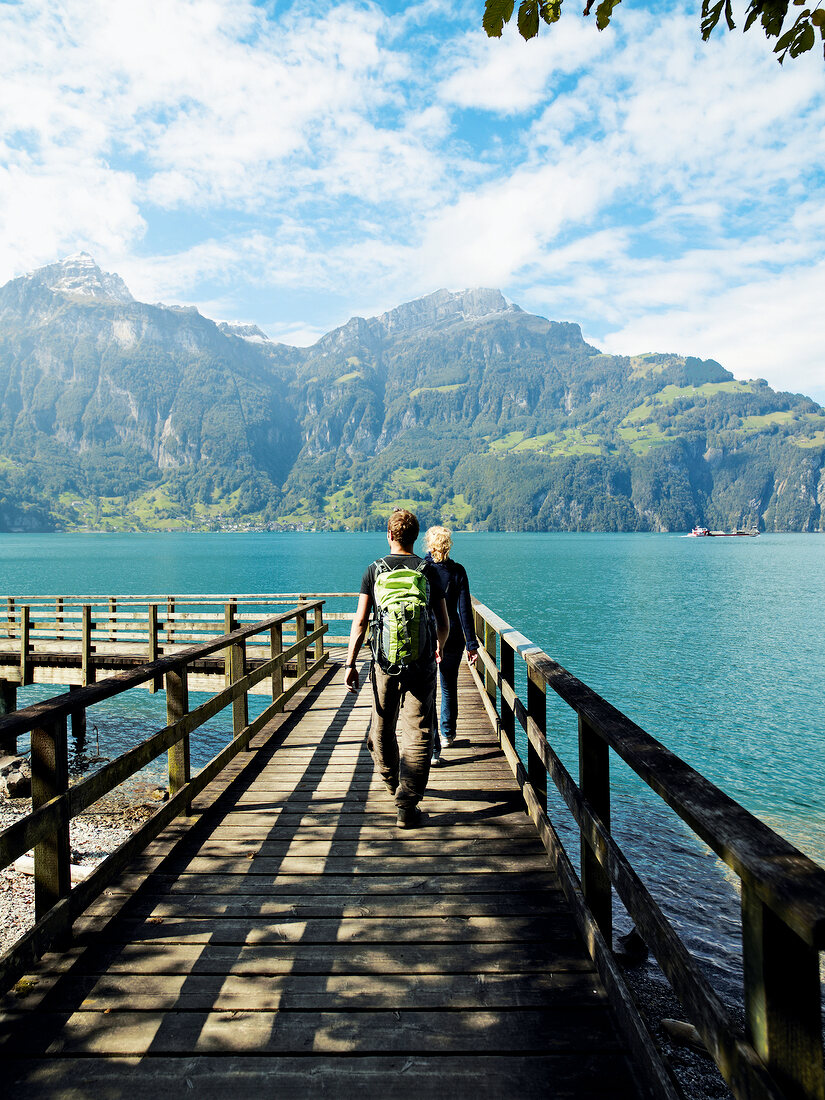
402	632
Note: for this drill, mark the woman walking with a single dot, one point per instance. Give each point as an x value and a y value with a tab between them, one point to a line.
456	587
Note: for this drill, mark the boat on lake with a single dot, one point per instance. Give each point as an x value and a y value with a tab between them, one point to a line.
706	533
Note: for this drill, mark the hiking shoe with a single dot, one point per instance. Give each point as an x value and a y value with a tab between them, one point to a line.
436	762
447	741
408	817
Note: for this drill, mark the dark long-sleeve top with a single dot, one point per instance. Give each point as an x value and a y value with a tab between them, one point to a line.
456	587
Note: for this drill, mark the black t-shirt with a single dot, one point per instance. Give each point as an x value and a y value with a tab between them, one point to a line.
405	561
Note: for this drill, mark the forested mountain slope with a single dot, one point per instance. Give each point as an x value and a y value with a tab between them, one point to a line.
115	414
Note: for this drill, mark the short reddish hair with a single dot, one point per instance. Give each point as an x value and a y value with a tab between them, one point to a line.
402	527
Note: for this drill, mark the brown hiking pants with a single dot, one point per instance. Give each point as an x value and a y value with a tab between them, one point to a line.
401	729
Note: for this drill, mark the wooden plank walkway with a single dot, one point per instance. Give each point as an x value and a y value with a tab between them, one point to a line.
294	941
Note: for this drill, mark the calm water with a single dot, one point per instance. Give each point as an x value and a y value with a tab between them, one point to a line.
714	646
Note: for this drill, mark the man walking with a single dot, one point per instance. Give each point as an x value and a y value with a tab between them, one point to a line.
401	729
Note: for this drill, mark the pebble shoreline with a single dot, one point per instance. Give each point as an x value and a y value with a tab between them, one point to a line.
94	835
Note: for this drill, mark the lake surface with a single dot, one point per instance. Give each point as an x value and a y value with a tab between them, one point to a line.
714	646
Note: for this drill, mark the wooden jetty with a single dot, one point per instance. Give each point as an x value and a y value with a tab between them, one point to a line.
271	929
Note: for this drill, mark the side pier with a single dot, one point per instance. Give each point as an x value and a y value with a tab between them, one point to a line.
270	928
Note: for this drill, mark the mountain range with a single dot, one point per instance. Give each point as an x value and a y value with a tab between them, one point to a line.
120	415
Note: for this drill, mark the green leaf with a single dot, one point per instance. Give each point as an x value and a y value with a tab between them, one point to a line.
528	19
604	11
773	16
550	10
496	14
754	11
710	17
804	42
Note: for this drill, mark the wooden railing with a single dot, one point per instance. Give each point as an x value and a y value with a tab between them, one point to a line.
54	803
140	627
782	890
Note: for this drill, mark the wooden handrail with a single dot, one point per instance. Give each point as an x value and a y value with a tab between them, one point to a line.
46	829
783	891
21	721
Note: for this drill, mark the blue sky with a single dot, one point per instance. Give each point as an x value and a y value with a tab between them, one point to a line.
296	166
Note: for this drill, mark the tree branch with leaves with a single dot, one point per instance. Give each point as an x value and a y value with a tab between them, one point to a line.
794	36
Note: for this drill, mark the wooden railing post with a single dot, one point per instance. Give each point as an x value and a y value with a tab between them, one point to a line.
240	706
10	616
508	676
25	666
157	682
87	667
594	782
112	619
177	707
8	704
170	622
50	778
300	634
537	713
58	618
276	645
782	999
78	718
230	622
490	647
318	622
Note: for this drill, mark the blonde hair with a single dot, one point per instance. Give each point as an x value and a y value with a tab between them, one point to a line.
439	540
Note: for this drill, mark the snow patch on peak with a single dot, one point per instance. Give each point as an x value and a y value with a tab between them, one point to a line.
78	276
245	331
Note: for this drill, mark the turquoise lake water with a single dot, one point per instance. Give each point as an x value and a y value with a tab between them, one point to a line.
714	646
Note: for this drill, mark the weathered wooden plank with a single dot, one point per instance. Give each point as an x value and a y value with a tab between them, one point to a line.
530	1077
236	831
288	816
273	848
344	958
276	885
126	1032
208	992
251	931
358	801
387	865
534	903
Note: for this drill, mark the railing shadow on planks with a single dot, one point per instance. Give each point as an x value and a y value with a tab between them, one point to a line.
59	902
782	890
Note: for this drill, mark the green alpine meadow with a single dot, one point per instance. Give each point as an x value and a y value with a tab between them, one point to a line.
116	415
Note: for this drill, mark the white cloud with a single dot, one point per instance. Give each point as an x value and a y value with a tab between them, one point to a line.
509	76
642	183
758	329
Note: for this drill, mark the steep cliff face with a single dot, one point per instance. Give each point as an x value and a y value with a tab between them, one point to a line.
459	404
93	380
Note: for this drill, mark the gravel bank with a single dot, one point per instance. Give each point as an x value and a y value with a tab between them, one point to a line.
92	837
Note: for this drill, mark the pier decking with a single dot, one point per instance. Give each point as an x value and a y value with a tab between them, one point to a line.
270	929
291	940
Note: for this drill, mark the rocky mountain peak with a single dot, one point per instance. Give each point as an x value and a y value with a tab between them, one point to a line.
245	331
78	276
444	306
